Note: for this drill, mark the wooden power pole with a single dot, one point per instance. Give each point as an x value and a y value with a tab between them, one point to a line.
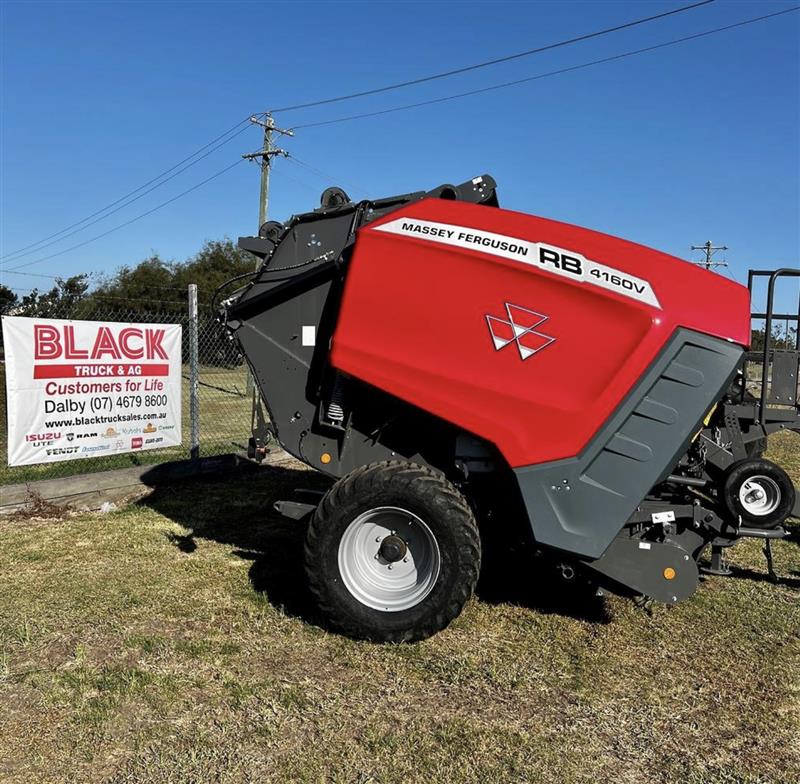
710	250
266	154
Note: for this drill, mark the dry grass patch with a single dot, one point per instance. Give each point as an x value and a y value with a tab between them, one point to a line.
36	507
173	641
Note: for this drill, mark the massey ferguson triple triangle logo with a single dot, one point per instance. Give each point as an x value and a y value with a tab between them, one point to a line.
519	328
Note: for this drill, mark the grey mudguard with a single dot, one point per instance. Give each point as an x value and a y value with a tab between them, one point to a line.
581	503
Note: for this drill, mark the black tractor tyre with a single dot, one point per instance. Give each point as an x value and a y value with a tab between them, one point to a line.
758	491
357	504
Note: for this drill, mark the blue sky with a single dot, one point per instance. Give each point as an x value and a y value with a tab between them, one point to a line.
693	142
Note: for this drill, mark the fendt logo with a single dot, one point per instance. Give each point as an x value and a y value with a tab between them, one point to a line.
519	328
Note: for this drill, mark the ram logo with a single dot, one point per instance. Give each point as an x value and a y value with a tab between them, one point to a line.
520	328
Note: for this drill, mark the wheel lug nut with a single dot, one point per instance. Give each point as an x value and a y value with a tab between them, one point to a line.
390	566
405	560
377	538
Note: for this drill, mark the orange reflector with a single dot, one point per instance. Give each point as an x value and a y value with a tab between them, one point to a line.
325	458
669	573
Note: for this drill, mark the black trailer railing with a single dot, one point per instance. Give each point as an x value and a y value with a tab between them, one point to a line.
784	366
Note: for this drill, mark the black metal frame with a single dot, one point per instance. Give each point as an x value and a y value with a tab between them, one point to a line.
748	420
769	316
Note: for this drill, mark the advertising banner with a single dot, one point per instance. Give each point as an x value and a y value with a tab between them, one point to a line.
77	389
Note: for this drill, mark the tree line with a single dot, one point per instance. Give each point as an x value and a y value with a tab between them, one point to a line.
153	285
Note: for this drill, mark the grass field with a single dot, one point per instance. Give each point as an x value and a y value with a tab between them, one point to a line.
173	641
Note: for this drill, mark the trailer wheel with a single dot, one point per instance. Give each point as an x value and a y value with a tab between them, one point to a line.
392	552
759	491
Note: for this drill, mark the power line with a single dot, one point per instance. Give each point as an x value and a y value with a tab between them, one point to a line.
128	222
93	296
496	61
31	274
547	74
78	226
181	289
381	112
325	175
122	206
19	252
313	188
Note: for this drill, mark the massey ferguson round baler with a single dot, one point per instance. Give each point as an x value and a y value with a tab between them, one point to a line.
464	371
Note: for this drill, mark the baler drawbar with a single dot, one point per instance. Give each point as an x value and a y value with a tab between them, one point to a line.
464	371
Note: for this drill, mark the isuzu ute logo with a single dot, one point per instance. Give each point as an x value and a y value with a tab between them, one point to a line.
520	328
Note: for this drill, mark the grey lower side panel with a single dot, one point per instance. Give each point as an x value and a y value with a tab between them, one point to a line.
580	504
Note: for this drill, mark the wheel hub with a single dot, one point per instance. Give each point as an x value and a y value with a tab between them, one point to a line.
760	495
393	549
389	559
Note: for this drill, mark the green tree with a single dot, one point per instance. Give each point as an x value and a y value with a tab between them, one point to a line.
61	301
156	284
216	262
151	279
782	337
8	299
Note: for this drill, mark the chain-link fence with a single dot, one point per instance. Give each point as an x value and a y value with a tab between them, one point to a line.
216	395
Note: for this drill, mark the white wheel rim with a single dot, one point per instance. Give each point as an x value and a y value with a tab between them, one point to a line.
389	586
760	495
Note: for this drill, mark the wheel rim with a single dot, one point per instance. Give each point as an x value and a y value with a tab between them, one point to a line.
389	559
759	495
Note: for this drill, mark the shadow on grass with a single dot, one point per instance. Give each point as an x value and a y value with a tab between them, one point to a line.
521	577
744	573
793	533
793	536
237	511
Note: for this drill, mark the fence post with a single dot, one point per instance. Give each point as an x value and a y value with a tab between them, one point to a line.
194	372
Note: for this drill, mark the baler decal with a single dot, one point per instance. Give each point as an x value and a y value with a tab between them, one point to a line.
548	258
519	328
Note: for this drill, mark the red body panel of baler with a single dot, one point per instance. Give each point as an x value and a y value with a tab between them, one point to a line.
413	320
